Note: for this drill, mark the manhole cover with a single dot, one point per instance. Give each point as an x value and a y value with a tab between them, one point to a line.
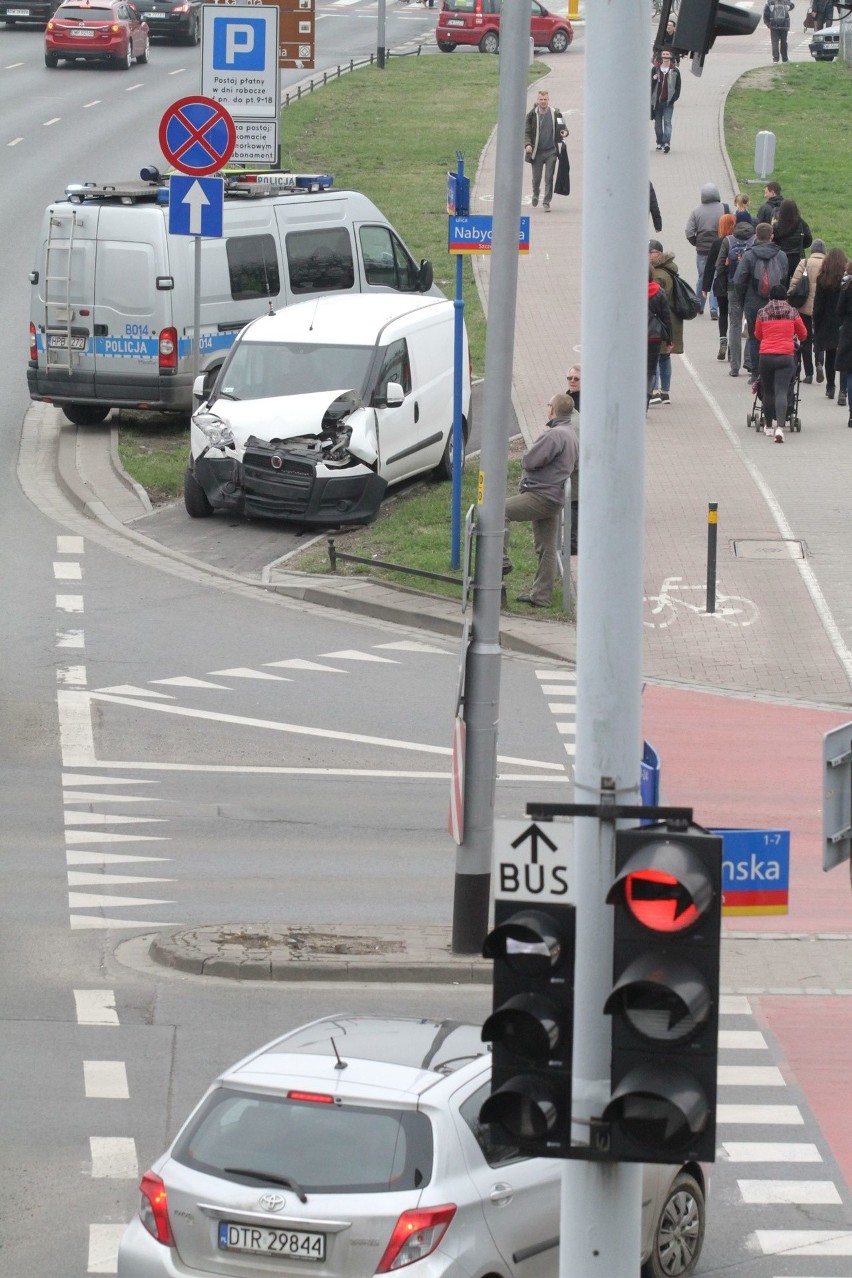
782	548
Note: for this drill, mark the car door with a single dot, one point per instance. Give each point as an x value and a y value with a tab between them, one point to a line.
519	1195
136	29
540	24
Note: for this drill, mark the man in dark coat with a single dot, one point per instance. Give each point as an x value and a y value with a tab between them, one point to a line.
543	131
665	91
761	266
776	16
771	199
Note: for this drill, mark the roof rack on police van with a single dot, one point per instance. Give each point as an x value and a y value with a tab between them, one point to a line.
130	191
153	186
273	181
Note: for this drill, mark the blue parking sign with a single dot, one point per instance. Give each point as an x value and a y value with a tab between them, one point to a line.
239	44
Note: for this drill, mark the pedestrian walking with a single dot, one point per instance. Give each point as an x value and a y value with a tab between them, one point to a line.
809	267
823	13
776	16
541	498
543	131
761	267
573	376
659	329
791	233
776	327
665	91
741	203
731	250
664	268
702	228
716	280
826	320
771	199
843	359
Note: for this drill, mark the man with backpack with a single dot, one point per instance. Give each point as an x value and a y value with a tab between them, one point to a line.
776	16
762	265
730	255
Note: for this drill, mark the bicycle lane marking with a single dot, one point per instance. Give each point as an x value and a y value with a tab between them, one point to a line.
832	630
670	601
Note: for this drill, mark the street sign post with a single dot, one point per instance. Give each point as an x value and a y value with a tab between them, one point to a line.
197	136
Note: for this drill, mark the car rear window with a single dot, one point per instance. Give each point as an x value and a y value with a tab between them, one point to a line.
328	1148
75	13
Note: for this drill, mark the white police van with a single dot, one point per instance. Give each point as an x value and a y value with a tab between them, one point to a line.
112	315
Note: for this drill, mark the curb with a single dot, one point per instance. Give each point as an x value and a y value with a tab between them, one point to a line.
121	474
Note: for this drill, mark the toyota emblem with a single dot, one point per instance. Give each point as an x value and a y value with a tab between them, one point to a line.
277	461
272	1202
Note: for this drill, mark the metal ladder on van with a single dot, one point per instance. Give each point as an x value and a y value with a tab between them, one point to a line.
57	290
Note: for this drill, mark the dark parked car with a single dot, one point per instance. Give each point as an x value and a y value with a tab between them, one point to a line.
14	11
178	21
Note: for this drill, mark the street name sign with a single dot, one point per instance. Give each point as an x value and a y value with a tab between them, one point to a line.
473	234
534	861
197	136
196	205
755	871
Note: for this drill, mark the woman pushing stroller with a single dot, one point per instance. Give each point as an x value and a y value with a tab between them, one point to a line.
776	328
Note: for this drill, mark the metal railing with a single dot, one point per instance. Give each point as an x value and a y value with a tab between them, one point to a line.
335	74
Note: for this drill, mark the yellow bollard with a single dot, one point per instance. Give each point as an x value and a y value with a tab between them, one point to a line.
573	9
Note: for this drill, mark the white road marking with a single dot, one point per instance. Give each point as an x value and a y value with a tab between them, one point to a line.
69	603
70	546
352	654
113	1158
243	672
557	775
94	102
186	681
805	1242
79	878
45	124
741	1040
411	645
101	818
762	1151
111	836
107	858
178	71
93	900
750	1076
562	707
96	922
296	663
553	689
568	729
71	676
95	1007
15	141
302	730
761	1115
86	796
74	778
65	571
75	728
105	1080
570	676
70	639
734	1005
788	1191
103	1248
10	66
131	88
130	690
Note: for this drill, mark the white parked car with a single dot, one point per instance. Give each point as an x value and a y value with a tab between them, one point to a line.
825	45
352	1147
322	405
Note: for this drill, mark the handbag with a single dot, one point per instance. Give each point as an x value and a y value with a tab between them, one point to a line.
684	301
798	294
810	20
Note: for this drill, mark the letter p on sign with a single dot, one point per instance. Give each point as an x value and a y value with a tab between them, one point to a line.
239	44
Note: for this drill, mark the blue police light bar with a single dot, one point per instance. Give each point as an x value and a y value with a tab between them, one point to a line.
282	181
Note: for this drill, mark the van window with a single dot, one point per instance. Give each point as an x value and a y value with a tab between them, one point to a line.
396	367
253	266
386	262
320	261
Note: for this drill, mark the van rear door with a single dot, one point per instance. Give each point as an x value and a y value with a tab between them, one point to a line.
63	301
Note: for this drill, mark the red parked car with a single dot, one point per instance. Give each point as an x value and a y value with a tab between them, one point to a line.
478	22
102	32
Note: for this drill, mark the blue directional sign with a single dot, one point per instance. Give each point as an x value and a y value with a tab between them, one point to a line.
195	205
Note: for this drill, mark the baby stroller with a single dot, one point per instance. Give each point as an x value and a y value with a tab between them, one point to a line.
792	421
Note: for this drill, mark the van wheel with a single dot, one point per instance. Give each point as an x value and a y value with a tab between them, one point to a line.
86	414
446	46
679	1231
444	469
194	497
490	42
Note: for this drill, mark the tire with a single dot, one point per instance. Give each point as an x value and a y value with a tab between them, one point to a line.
142	58
490	43
679	1231
195	498
749	420
125	60
51	60
194	36
86	414
446	46
444	469
559	42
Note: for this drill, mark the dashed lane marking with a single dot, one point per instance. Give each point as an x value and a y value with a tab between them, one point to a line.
63	571
790	1192
775	1151
105	1080
103	1248
113	1158
805	1242
70	639
760	1115
95	1007
244	672
69	603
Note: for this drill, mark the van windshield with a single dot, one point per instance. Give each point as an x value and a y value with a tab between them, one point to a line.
257	370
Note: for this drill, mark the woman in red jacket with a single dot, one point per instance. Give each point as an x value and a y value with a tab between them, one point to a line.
776	328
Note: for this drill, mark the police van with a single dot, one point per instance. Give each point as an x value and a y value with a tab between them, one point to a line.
113	293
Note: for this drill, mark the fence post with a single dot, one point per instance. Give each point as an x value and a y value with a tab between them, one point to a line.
712	527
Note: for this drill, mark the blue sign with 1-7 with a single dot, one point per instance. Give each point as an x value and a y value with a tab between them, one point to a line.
196	205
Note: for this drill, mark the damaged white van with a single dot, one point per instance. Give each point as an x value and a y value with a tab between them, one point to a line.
321	406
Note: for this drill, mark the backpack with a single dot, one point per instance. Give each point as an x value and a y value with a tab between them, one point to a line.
770	271
778	13
736	248
684	301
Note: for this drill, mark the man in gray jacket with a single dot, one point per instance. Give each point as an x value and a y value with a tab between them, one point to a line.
545	467
702	231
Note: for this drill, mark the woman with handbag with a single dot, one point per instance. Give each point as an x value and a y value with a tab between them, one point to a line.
803	300
826	322
659	329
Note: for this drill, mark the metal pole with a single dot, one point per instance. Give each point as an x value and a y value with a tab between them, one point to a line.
380	37
567	530
196	312
601	1202
712	529
482	671
458	355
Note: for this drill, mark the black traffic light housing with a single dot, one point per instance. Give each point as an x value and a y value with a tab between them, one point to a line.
664	1000
531	1025
699	22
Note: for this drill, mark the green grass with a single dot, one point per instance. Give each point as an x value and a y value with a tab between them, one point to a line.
807	107
154	450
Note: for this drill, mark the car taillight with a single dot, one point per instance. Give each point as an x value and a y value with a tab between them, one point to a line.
314	1098
154	1209
51	25
115	28
33	346
168	348
180	8
415	1235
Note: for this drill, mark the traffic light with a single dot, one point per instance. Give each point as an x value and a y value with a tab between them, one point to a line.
699	22
664	1001
531	1025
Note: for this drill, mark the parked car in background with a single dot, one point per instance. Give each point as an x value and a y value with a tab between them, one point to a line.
103	32
14	11
352	1147
825	45
176	20
478	22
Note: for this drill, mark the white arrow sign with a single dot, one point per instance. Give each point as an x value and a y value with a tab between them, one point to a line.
197	200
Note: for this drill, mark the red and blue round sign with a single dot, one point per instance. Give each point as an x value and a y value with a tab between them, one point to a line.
197	136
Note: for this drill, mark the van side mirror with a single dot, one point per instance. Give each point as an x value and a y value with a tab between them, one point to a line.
425	276
392	398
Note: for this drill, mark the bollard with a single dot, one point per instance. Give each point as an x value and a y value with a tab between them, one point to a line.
332	555
712	526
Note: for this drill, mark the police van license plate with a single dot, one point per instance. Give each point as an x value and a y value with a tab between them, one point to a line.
296	1244
59	342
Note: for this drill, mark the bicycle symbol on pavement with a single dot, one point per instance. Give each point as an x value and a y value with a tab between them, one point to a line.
664	608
